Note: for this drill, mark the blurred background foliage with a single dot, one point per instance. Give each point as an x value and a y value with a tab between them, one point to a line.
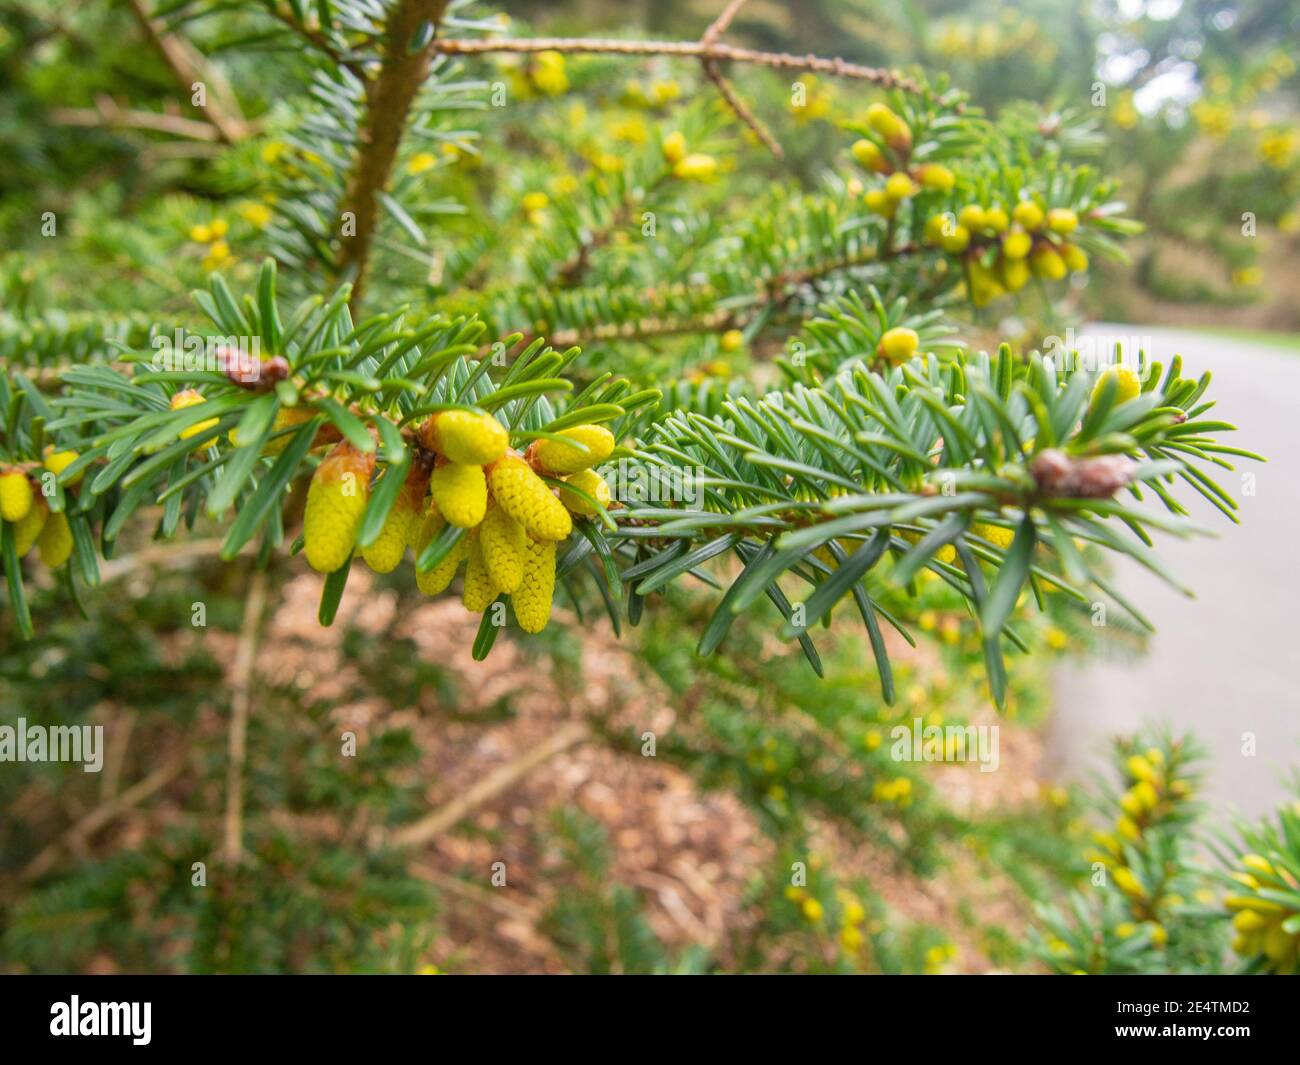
771	830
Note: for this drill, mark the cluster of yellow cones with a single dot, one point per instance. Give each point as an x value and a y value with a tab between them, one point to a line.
466	475
27	511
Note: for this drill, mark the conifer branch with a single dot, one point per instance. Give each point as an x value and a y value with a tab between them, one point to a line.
713	51
389	99
742	110
714	73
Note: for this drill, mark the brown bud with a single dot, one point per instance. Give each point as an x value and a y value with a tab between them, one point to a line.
274	370
248	371
1102	477
1058	475
1051	471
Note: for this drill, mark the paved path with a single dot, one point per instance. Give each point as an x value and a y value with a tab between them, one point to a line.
1228	661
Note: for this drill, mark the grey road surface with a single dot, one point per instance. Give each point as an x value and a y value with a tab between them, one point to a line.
1226	663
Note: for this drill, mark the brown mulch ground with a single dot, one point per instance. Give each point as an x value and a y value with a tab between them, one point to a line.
689	851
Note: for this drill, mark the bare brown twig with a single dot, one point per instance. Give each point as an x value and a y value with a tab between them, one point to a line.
452	813
392	92
317	40
714	73
106	112
105	813
741	109
719	25
390	97
716	51
218	106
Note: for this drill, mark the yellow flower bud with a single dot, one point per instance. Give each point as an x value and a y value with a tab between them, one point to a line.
1047	263
1076	259
420	162
732	340
593	484
1127	882
1259	865
501	542
936	227
55	541
896	132
1028	214
878	202
16	495
946	554
984	287
460	491
526	498
285	418
336	501
1015	273
898	344
665	92
436	580
1128	386
1062	220
28	528
468	437
869	156
58	461
401	525
532	600
558	457
674	147
548	73
479	591
900	187
190	397
995	218
696	167
1016	244
972	217
937	176
257	215
994	534
882	119
957	240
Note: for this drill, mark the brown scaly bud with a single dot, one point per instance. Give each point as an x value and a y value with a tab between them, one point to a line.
1058	475
248	371
274	370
